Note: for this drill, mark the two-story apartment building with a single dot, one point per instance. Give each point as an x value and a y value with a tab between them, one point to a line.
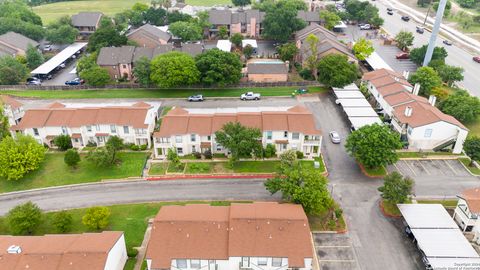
257	236
468	210
422	125
84	123
193	130
12	108
246	22
86	23
105	250
149	36
14	44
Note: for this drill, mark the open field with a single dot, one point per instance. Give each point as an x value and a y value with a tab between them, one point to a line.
159	93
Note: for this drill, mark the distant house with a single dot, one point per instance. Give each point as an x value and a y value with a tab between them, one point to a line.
310	17
133	122
86	23
246	22
260	235
328	43
14	44
149	36
12	108
267	70
94	251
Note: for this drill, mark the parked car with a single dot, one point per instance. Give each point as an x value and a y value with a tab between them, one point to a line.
301	91
34	82
47	48
33	79
76	81
420	30
402	55
334	137
406	18
62	65
250	96
365	27
195	98
389	9
408	231
476	59
447	42
390	12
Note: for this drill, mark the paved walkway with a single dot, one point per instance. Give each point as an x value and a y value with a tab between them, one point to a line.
142	250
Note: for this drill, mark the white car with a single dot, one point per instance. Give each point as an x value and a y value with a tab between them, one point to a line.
47	48
365	27
334	137
195	98
250	96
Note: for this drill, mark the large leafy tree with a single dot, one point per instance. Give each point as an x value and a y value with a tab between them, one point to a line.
462	106
4	124
142	71
373	145
334	70
363	11
467	3
106	36
187	31
61	31
34	57
62	221
418	54
471	146
428	79
281	21
87	62
450	74
16	16
240	140
331	18
156	16
176	16
114	144
219	67
95	76
236	39
312	59
302	185
174	69
287	51
363	48
63	142
101	157
404	39
24	218
97	218
19	156
12	71
396	188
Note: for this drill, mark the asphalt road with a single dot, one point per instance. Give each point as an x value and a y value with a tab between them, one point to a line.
456	55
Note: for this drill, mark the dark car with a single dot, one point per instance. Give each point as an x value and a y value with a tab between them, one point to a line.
402	55
406	18
301	91
420	30
76	81
390	12
34	82
389	9
447	42
476	59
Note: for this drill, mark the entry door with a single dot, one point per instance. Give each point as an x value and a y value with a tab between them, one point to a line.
245	262
212	265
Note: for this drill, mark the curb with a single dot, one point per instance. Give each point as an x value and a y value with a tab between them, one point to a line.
209	176
380	205
368	175
468	170
434	158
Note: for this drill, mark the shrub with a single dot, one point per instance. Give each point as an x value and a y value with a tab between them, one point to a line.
134	147
299	154
62	221
96	218
71	157
197	155
24	218
306	74
270	150
207	154
91	144
128	145
143	147
63	142
338	212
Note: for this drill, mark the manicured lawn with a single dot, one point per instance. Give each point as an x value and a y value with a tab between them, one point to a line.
158	168
472	169
423	154
256	166
199	167
176	169
326	222
208	2
310	163
379	171
445	203
54	172
130	264
155	93
474	127
391	209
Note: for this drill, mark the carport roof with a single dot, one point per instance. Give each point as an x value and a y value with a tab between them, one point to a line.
358	122
360	112
349	94
354	102
61	57
444	243
426	216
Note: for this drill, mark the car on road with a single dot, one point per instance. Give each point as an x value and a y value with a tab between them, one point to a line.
34	82
390	12
195	98
301	91
476	59
365	27
250	96
420	30
402	55
406	18
334	137
389	9
447	42
76	81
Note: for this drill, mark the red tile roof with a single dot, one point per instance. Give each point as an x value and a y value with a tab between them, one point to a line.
178	121
472	197
15	104
220	232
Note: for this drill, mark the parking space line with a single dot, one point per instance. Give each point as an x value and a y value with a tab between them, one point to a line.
439	166
410	168
450	166
420	162
395	165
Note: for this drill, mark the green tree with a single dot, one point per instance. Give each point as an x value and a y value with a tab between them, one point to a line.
115	144
96	218
270	151
404	40
156	16
248	51
4	124
467	3
142	71
373	145
63	142
311	62
363	49
471	146
363	11
12	71
450	74
24	218
71	158
86	62
336	71
219	67
287	51
448	8
236	39
223	32
281	21
19	156
95	76
17	17
241	3
177	16
61	31
34	57
174	69
418	54
240	140
396	188
106	36
331	19
101	157
428	78
462	106
172	156
62	221
187	31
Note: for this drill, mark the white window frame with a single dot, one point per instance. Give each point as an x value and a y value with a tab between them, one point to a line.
126	130
295	136
178	139
285	134
113	129
180	150
193	137
262	261
183	266
428	133
269	135
195	264
35	132
276	262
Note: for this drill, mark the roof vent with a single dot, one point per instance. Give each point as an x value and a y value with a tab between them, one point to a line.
13	249
270	236
408	111
396	79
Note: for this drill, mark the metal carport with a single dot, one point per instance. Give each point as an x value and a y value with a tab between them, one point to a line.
58	59
360	112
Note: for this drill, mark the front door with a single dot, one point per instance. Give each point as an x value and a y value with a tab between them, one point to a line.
245	262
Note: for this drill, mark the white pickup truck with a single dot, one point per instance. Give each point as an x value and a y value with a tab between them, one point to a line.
250	96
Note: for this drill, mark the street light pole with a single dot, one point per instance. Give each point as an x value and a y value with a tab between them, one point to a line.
435	30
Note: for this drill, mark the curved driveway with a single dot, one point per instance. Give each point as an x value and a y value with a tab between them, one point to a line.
109	193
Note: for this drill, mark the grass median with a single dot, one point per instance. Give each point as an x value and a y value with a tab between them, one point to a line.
155	93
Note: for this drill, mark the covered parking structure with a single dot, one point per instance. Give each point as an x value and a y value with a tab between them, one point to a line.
374	62
438	237
48	67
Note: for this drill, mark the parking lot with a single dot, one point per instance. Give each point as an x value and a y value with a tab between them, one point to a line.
415	168
334	251
388	54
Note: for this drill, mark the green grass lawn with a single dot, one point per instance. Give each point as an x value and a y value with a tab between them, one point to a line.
423	154
199	167
445	203
54	172
391	208
379	171
154	93
261	166
158	168
176	169
472	169
309	163
474	127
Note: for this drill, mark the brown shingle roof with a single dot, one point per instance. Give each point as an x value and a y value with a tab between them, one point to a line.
178	121
17	41
472	197
220	232
58	252
110	56
384	76
151	32
13	103
86	19
267	68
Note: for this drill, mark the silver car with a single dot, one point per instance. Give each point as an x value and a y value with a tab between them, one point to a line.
195	98
334	137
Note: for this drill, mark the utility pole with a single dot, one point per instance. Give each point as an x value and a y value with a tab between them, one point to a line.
435	30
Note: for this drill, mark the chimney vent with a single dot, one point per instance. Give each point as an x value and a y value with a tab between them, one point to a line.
13	249
408	111
432	99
